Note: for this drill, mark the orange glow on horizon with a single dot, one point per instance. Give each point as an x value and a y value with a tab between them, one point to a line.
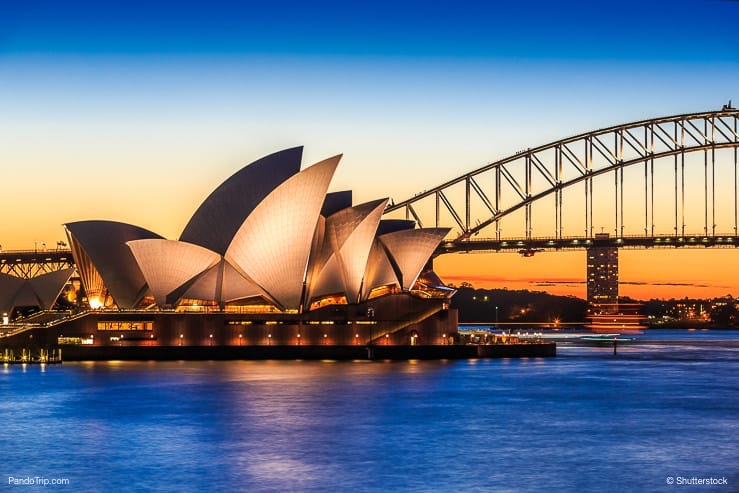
643	274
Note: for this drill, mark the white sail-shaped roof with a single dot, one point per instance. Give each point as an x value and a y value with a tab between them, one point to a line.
392	225
223	284
95	289
221	214
9	287
49	286
379	271
270	232
328	281
410	249
273	244
205	287
324	271
26	296
168	264
236	287
319	254
349	236
105	263
336	201
41	291
354	251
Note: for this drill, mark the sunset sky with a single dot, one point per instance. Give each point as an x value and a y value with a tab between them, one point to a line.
137	112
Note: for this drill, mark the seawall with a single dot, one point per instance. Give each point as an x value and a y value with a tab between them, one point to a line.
168	353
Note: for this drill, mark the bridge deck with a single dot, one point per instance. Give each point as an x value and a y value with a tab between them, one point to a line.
529	246
34	256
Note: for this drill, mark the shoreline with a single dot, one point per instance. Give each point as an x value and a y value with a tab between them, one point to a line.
375	352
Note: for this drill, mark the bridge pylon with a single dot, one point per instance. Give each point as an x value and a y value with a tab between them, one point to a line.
602	277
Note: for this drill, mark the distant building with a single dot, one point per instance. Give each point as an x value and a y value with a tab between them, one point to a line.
602	277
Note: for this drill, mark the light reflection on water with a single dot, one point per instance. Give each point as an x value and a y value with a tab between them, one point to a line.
584	421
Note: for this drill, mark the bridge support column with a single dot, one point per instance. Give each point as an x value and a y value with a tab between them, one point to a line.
602	277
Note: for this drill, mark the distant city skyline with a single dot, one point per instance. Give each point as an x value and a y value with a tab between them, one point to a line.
136	113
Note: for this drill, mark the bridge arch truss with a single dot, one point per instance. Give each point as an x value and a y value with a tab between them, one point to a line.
27	264
676	166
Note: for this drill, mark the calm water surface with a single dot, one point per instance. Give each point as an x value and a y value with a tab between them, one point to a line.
584	421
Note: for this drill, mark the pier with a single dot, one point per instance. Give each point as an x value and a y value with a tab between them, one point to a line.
11	356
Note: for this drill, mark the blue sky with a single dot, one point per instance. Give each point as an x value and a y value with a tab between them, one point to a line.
649	30
135	111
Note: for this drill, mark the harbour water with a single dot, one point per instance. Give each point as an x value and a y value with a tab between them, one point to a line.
660	410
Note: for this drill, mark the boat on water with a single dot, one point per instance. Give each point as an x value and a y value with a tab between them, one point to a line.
606	339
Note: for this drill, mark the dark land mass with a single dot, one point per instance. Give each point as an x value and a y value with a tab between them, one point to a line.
479	305
523	306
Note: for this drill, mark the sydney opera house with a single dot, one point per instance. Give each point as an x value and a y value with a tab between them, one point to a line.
269	258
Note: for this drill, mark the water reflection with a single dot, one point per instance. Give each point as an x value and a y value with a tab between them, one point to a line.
584	421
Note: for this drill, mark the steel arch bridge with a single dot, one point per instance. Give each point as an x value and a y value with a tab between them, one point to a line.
641	180
31	263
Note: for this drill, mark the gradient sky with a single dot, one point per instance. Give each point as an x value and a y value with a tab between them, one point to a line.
136	112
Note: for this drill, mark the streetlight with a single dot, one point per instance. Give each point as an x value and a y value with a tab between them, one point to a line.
324	338
387	339
211	339
269	339
240	337
299	336
181	336
356	338
443	336
370	316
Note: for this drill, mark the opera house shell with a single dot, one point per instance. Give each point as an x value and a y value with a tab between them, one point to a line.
268	257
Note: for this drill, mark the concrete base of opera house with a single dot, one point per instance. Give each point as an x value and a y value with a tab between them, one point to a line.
399	320
394	327
169	353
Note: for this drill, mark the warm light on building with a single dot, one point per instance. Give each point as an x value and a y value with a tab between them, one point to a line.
268	254
95	302
602	278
